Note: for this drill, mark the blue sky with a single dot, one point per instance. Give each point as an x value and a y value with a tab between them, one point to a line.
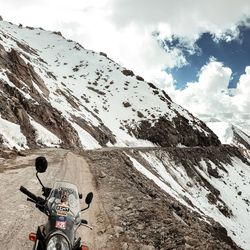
234	54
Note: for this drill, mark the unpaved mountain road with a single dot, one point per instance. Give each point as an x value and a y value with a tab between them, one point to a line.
20	217
129	211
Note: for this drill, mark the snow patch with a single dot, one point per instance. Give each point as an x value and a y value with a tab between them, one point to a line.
12	135
223	130
43	136
87	141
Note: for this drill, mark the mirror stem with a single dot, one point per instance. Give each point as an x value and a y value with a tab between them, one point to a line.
39	179
85	208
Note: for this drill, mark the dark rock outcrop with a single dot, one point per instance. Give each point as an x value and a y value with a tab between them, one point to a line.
167	134
101	133
16	108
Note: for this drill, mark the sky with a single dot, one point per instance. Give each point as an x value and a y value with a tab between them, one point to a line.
193	49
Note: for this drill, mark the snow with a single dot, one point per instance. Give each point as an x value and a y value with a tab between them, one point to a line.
173	179
163	185
12	135
226	133
230	184
87	140
218	122
223	130
243	135
61	57
43	136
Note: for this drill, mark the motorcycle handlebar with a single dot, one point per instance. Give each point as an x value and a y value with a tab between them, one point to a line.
28	193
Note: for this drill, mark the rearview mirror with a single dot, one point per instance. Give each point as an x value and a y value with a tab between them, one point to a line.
41	164
89	198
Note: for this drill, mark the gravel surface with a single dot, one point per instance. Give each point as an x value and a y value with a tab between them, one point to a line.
20	217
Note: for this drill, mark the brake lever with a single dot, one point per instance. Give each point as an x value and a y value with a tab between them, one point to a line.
91	228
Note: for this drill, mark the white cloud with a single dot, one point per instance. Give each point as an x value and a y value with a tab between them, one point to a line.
184	18
242	95
123	28
209	96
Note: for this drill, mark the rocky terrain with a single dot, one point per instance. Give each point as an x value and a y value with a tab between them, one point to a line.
129	211
145	217
54	88
164	178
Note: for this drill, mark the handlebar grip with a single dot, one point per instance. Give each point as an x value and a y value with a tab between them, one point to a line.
28	193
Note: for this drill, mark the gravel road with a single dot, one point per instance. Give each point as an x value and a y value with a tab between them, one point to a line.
20	217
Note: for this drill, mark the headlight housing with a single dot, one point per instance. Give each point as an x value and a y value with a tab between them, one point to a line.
58	242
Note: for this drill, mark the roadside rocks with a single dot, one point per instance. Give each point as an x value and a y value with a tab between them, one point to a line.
142	214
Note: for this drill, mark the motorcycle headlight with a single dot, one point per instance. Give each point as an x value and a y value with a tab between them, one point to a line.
58	242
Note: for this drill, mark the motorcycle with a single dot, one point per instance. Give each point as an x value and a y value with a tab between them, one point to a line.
62	206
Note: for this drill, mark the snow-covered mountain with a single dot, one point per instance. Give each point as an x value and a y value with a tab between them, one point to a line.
54	92
230	128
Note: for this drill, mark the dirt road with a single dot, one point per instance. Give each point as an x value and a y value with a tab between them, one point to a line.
19	217
129	211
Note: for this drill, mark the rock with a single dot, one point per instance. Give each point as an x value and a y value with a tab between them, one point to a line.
103	54
140	226
125	246
57	33
118	229
102	174
146	247
188	247
22	153
126	104
213	172
140	114
1	19
130	198
168	133
191	241
139	78
127	72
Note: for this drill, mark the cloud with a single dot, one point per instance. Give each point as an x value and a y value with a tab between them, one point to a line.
124	29
210	96
184	18
242	93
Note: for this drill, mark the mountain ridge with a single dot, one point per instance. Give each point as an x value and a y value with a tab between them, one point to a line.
97	89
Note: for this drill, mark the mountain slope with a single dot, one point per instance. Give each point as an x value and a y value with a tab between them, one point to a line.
84	98
230	134
55	93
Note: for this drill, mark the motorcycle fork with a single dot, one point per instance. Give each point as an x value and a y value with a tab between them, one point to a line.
40	239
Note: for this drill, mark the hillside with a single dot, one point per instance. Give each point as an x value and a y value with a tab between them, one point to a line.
162	173
55	92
